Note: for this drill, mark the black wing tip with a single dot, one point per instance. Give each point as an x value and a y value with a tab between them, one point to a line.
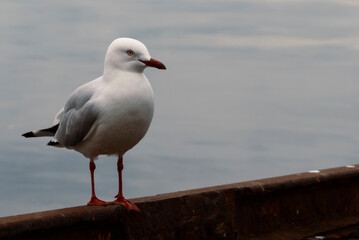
28	134
53	143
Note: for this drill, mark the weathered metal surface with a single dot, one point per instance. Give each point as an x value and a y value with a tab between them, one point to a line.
297	206
348	233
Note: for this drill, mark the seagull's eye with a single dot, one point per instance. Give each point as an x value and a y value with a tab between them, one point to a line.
130	52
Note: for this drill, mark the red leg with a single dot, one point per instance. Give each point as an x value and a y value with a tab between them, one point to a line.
94	200
119	197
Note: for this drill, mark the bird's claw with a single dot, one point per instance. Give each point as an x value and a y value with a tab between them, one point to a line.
126	203
94	201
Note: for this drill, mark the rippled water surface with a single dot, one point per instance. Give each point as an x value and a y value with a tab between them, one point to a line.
253	89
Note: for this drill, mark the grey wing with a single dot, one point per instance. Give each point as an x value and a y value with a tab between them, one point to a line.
58	116
78	117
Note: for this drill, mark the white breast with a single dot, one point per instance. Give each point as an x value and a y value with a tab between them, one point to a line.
125	116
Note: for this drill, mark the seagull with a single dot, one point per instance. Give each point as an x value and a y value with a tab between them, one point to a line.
108	115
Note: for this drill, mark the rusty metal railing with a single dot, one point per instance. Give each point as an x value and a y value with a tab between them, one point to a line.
289	207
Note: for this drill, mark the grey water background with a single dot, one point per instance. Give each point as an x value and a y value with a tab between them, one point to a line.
253	89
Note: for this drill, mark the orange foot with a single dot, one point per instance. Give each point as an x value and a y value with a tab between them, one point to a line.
126	203
94	201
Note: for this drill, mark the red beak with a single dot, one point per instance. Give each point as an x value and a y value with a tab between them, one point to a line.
154	63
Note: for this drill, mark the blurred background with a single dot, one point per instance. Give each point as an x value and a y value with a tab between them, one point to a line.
253	89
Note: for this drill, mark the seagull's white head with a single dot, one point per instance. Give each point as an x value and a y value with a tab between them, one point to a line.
127	54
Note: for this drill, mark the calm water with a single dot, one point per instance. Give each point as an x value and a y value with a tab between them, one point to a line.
253	89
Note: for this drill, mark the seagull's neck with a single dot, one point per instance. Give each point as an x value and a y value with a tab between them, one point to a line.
112	74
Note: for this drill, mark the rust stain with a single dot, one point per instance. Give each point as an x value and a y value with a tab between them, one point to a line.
333	236
103	237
